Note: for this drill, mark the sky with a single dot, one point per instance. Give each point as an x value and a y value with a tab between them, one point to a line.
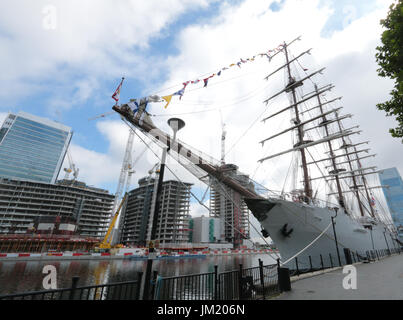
63	60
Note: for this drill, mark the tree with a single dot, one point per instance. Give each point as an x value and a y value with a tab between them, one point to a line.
390	59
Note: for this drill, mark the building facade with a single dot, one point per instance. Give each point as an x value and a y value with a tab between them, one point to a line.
228	205
205	230
32	148
173	215
394	196
22	203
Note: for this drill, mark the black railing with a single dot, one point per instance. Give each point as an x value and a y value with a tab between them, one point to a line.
250	283
128	290
301	265
255	283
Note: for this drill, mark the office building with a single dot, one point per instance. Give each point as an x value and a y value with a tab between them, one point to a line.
32	148
394	196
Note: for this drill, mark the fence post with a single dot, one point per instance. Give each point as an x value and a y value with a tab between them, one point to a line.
347	255
240	293
215	282
139	278
296	263
310	264
153	284
321	262
331	261
261	276
74	282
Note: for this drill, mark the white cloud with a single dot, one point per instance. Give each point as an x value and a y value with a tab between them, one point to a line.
90	38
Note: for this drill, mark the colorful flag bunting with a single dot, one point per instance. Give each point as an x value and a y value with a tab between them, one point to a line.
167	99
181	92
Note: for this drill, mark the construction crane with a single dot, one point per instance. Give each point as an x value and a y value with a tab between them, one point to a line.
106	242
223	134
103	115
123	178
71	169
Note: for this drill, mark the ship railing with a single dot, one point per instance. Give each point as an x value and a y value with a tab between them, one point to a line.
291	196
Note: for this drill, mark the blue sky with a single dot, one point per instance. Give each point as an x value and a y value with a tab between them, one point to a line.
68	73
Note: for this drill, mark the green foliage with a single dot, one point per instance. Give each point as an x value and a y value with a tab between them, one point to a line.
390	59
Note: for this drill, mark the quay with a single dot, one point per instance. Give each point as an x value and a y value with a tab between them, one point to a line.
377	280
123	254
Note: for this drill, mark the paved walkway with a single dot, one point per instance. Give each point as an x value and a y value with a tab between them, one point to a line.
379	280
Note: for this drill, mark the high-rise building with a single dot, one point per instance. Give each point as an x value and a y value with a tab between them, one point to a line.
228	205
394	196
24	203
32	148
173	215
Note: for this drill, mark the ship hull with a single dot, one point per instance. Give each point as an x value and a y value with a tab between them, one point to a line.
293	226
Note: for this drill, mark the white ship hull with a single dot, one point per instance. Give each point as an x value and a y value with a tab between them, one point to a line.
307	222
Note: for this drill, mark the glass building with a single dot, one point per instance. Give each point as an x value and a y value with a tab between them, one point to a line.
32	148
394	196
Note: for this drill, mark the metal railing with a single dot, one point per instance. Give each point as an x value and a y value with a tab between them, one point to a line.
306	264
250	283
256	283
128	290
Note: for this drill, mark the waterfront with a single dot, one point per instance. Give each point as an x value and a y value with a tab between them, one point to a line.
22	276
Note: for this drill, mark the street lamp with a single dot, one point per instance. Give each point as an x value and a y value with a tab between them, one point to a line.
176	124
335	237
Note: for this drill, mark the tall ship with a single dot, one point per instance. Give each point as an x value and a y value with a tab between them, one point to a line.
315	224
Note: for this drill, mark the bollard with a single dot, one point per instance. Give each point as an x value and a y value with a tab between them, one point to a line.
284	281
347	254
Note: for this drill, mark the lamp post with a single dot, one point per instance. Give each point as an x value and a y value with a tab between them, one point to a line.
384	234
176	124
335	236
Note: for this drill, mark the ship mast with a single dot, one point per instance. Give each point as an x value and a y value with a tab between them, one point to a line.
292	84
299	126
332	155
355	185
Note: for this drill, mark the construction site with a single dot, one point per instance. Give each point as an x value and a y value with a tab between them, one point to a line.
39	215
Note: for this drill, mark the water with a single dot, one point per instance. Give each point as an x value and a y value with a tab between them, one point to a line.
24	276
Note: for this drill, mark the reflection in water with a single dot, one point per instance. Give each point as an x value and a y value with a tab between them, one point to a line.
23	276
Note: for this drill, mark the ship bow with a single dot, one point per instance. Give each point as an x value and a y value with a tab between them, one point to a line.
259	207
